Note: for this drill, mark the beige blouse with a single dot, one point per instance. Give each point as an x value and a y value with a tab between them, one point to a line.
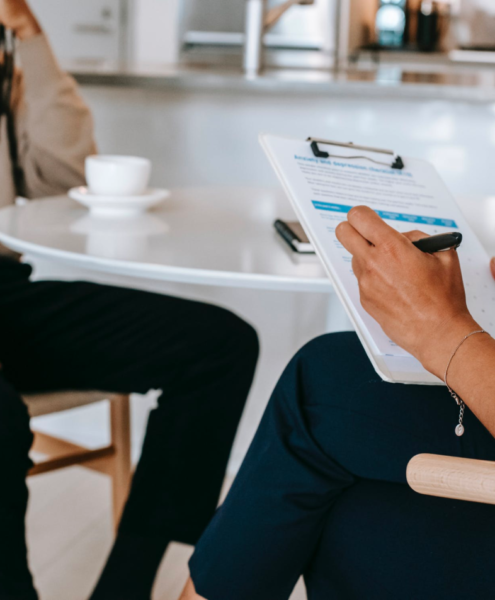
54	126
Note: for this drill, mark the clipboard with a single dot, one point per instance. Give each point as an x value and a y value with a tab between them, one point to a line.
394	160
323	187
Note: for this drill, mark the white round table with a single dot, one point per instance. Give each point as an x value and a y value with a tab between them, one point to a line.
214	236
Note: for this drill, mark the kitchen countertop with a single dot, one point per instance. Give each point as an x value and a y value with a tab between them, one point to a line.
437	79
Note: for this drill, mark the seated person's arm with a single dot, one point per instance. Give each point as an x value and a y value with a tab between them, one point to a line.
419	301
54	126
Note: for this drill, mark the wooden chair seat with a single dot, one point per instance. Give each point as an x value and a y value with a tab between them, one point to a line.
54	402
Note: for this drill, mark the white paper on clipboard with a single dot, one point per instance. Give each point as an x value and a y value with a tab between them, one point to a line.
323	190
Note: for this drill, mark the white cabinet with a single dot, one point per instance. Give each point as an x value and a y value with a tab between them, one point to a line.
87	30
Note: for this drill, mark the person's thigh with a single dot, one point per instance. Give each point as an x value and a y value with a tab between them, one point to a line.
330	422
373	428
82	336
383	541
79	335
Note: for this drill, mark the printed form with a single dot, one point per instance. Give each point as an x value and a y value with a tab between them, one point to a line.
323	190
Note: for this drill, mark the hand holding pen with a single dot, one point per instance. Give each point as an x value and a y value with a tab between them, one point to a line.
417	297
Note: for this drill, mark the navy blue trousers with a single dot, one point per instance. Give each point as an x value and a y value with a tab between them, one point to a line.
322	493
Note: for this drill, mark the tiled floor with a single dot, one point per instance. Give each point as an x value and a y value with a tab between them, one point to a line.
70	534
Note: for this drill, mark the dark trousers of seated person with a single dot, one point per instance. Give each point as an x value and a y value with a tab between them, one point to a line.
322	493
80	336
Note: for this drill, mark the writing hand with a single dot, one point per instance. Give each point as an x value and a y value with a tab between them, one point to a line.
16	15
417	298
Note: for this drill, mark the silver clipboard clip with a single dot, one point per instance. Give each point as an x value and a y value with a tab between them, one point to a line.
395	161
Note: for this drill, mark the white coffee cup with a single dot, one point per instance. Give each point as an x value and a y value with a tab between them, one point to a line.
108	175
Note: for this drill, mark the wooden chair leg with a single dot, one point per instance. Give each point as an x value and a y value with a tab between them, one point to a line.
121	440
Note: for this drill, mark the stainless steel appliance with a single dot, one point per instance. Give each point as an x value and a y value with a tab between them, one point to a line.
260	20
220	23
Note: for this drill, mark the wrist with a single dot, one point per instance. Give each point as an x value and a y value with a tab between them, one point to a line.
27	28
438	349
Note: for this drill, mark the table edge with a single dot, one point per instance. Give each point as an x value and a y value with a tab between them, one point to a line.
169	273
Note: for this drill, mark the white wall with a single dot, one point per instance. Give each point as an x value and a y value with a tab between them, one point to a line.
211	137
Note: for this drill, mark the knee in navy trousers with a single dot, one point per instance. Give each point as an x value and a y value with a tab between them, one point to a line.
322	493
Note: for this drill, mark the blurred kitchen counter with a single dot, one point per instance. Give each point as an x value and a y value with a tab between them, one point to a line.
435	79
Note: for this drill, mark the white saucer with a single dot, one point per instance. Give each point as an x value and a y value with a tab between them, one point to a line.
118	206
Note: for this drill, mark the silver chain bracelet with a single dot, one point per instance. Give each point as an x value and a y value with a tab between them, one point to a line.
459	430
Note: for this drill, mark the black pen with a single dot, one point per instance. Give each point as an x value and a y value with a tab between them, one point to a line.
440	242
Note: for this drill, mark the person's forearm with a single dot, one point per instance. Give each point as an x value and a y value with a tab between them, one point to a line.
472	376
419	300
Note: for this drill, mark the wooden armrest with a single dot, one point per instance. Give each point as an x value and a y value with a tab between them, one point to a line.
449	477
